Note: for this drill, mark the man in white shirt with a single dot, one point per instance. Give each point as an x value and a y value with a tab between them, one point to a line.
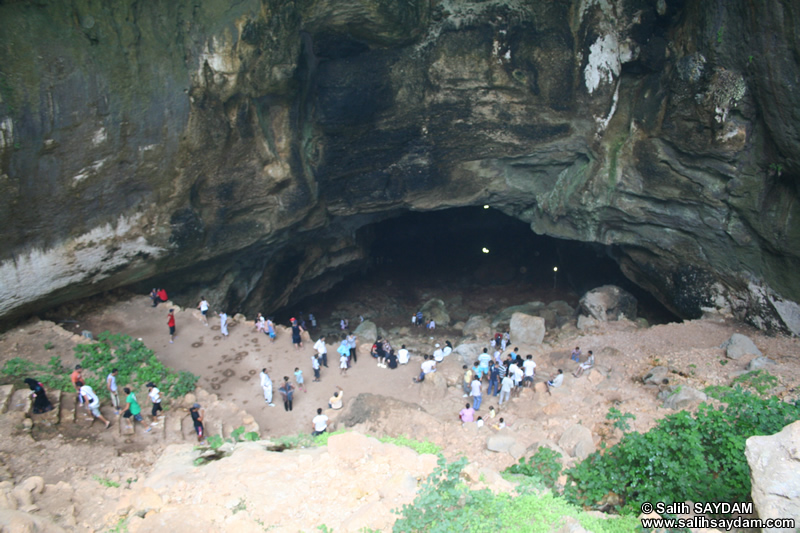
322	350
518	376
320	423
266	386
529	367
402	355
555	381
92	402
505	389
428	365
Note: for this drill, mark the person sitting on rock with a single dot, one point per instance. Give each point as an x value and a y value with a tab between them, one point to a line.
162	295
586	365
336	401
320	423
467	414
555	380
438	354
402	355
448	348
576	354
428	366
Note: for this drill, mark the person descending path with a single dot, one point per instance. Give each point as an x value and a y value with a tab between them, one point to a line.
266	387
171	325
297	329
197	414
287	393
203	307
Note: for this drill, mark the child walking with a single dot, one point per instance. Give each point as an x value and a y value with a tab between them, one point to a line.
298	378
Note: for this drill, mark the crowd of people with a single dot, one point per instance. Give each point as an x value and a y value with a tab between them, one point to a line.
500	371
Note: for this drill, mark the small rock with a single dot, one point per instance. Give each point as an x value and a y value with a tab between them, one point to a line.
739	345
577	441
759	362
682	397
501	441
656	375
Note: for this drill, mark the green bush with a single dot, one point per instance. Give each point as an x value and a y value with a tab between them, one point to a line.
136	364
542	466
445	504
416	445
760	381
685	457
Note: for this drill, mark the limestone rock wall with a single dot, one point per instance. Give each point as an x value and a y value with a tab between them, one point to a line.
244	144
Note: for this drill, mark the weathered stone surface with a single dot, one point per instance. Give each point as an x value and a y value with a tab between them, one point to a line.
682	397
527	329
739	345
774	462
436	310
292	126
759	362
577	441
477	326
656	375
608	302
502	441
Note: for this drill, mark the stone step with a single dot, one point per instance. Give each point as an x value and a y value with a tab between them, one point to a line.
174	427
5	395
69	401
21	401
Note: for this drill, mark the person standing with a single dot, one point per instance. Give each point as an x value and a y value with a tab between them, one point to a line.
529	366
322	350
171	325
92	403
197	414
155	398
132	409
297	329
111	385
320	423
477	395
419	318
203	307
466	383
223	323
351	343
287	393
315	366
505	389
75	377
494	379
271	329
298	378
266	386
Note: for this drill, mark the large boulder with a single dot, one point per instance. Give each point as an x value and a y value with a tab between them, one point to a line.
608	302
477	326
739	345
436	310
774	462
367	332
504	316
527	329
656	375
681	397
577	441
759	362
502	441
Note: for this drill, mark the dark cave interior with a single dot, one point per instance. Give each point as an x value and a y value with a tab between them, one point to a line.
472	250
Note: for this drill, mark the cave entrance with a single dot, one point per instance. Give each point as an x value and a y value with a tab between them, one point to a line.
478	260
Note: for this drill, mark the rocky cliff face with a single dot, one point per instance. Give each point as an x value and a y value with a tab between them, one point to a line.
244	144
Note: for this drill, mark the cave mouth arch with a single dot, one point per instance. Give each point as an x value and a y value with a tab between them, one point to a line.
478	257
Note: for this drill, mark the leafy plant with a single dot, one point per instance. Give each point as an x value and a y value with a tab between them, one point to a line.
759	380
620	419
685	457
416	445
48	346
105	482
445	504
544	466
